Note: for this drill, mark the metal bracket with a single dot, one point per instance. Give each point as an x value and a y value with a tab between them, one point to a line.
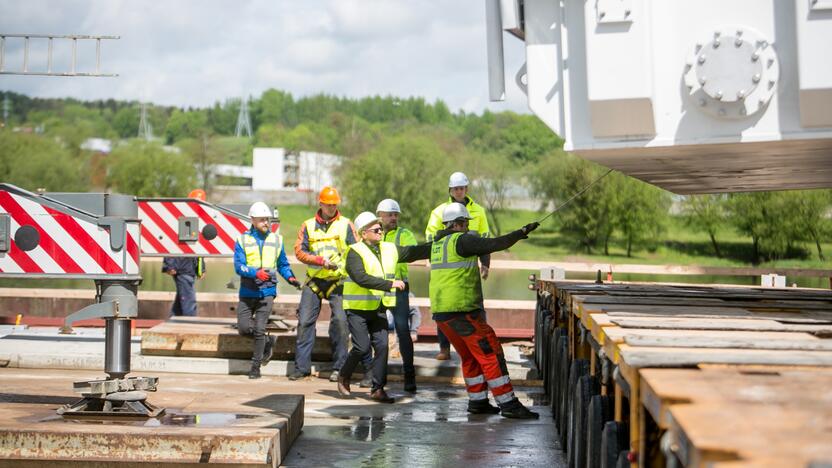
97	310
614	11
188	229
820	5
519	77
5	234
101	388
117	228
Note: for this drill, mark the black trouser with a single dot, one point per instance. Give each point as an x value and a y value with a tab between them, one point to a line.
252	315
368	327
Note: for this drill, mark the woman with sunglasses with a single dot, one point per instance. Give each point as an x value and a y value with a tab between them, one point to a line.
368	292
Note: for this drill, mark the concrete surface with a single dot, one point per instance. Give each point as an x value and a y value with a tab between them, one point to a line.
217	419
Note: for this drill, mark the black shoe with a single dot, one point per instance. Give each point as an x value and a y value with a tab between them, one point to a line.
381	396
297	375
268	351
481	407
254	373
410	383
366	381
516	410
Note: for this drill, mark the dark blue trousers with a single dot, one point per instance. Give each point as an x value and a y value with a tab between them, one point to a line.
185	301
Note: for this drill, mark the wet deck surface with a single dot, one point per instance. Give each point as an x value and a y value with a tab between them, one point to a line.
431	428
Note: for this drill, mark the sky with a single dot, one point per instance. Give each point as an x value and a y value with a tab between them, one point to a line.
193	53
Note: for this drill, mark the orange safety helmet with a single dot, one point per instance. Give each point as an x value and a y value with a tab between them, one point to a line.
329	196
199	194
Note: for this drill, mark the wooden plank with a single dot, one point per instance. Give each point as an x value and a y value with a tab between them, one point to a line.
718	324
641	357
727	339
627	310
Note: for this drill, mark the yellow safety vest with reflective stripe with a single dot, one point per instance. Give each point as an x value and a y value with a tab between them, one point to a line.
478	223
331	245
401	237
360	298
454	280
267	258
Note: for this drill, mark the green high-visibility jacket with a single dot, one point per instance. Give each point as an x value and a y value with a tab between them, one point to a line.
478	223
454	280
357	297
402	237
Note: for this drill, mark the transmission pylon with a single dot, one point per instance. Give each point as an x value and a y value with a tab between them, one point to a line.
145	129
50	39
243	120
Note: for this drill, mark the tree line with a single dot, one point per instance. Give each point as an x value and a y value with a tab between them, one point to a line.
402	148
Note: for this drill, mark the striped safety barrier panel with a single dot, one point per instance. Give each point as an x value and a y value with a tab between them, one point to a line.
43	237
188	227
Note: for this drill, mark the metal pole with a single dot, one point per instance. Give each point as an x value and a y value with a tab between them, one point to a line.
2	52
494	41
49	66
74	48
97	55
26	54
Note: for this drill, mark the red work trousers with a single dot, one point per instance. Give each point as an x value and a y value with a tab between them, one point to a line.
483	363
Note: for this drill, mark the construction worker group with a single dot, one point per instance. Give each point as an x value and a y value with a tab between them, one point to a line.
360	268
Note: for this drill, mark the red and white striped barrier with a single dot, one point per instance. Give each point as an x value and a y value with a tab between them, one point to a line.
46	238
215	231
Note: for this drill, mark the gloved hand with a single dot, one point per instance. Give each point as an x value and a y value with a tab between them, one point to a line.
263	275
294	282
529	227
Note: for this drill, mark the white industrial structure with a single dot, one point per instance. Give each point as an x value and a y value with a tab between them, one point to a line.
276	169
695	96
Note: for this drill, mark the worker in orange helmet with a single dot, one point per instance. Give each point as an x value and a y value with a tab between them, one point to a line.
199	194
322	245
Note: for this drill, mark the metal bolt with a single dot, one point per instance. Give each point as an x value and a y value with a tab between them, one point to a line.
756	78
602	14
717	34
702	58
703	80
698	47
627	12
755	56
716	43
770	63
764	44
770	84
739	32
719	94
738	42
741	93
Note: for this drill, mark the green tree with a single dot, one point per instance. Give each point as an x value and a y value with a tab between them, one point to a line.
411	168
149	170
32	162
185	124
126	122
641	214
809	210
705	213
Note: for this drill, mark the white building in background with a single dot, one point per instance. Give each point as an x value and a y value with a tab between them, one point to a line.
279	176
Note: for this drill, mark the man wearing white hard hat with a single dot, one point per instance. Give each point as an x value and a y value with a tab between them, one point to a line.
478	224
258	258
457	305
368	292
388	212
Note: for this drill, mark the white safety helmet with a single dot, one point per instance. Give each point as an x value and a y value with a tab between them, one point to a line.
388	205
455	211
364	220
260	210
457	179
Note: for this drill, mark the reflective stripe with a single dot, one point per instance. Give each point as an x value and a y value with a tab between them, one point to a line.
446	266
504	398
475	380
498	382
397	241
359	297
478	395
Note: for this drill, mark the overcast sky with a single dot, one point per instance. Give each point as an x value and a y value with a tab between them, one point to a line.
196	52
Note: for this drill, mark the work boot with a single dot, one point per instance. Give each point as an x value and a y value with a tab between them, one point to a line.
366	381
410	382
333	377
443	355
515	410
254	373
268	350
381	396
297	375
343	385
482	407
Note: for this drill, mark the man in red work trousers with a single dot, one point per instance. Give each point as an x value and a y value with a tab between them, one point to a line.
457	305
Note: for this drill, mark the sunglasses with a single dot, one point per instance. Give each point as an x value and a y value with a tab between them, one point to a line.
376	230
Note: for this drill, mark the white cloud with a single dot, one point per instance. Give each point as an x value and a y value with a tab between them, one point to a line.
196	52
